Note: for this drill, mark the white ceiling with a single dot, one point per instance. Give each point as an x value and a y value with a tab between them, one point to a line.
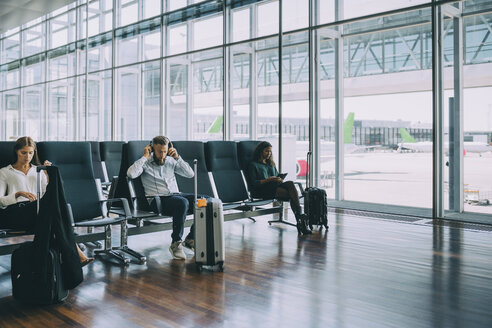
14	13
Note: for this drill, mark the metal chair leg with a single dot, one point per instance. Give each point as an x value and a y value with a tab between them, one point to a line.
95	244
109	251
124	244
281	218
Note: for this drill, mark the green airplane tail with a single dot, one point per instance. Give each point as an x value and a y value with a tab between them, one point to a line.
406	137
347	129
216	125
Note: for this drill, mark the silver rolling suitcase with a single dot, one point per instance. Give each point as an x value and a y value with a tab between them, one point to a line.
209	235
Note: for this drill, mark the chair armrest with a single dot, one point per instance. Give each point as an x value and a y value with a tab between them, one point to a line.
70	214
300	187
124	201
157	202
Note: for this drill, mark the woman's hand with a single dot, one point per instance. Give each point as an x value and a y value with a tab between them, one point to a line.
25	194
272	179
47	163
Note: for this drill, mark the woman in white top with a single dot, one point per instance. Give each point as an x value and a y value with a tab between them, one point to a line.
18	188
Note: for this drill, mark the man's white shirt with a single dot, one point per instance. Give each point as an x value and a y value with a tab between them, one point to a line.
159	179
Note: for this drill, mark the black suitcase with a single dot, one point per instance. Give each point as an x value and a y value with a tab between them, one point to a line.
32	282
29	285
315	204
316	207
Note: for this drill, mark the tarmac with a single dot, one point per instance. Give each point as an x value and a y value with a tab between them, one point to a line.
405	179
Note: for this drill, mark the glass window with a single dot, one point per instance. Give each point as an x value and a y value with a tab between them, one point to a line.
127	49
33	105
33	70
10	48
61	62
81	54
62	29
11	106
176	4
100	17
295	101
151	8
128	12
241	24
152	45
99	106
267	91
358	8
242	90
177	93
326	12
207	95
82	23
267	18
177	39
100	52
151	99
10	75
208	32
128	119
477	108
33	40
388	105
295	14
61	122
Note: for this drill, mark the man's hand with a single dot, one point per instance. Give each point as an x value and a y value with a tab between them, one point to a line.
172	152
28	195
47	163
147	151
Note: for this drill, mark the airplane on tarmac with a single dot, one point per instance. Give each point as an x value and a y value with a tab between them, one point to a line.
409	143
327	148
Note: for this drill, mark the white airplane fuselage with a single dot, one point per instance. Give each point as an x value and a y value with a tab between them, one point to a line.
426	146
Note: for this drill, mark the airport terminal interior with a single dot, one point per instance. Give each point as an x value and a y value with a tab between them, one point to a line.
390	98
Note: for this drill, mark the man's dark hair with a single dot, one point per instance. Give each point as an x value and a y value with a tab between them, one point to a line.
257	153
160	140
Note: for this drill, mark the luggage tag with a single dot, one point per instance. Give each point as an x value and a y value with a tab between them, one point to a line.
202	202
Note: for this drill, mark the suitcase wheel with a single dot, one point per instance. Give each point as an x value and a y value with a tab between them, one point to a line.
198	267
221	267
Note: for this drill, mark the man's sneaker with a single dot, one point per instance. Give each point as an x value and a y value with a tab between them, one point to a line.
189	243
177	251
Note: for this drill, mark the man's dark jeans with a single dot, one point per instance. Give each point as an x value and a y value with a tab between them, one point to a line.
178	206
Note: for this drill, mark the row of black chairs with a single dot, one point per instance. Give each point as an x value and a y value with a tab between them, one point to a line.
221	167
221	173
83	192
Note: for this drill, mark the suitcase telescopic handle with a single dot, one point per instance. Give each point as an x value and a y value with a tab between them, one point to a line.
308	168
195	178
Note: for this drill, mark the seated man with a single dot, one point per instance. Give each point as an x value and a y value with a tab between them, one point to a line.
157	167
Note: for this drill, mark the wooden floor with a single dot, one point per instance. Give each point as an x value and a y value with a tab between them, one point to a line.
363	272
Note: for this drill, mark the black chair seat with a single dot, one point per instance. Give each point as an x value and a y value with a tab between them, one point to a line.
99	222
135	213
